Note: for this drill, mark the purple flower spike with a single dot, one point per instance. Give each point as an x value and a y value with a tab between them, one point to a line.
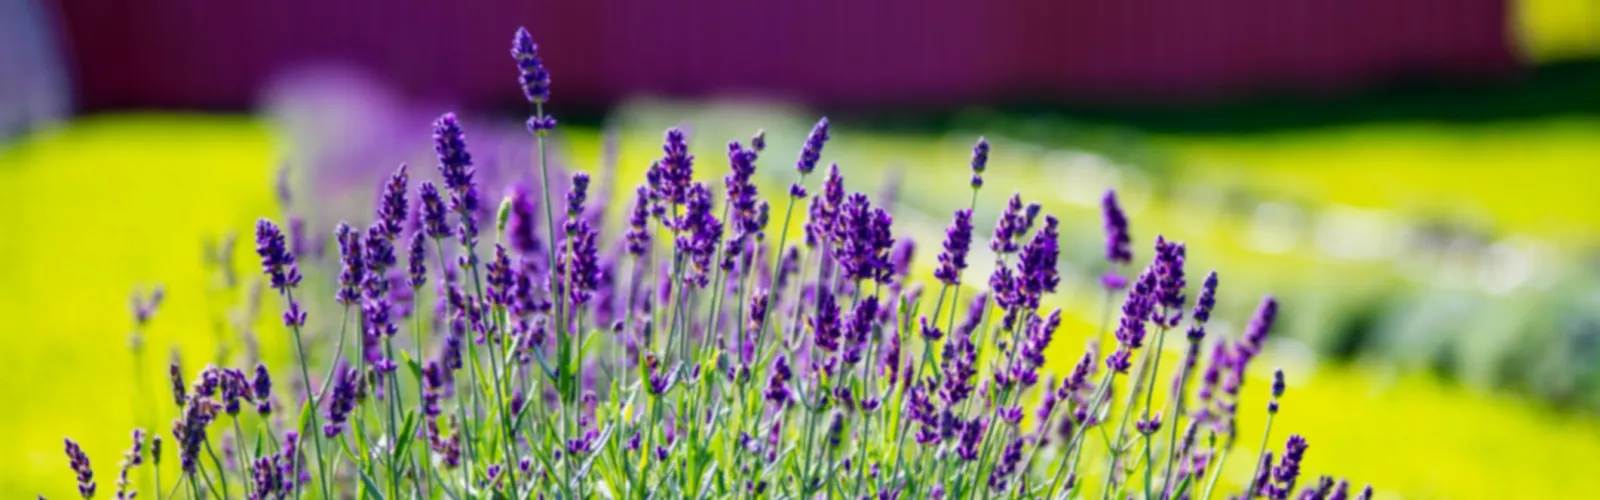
1118	243
1255	334
638	236
347	382
971	439
957	242
825	322
1170	280
80	466
980	156
455	163
742	193
1366	493
531	72
417	266
261	386
1037	265
131	459
862	240
584	263
1007	465
1288	470
675	171
929	332
276	261
392	204
578	194
1136	310
433	211
777	388
1207	299
812	151
1009	227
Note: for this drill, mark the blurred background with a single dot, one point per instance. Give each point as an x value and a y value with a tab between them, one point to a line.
1415	179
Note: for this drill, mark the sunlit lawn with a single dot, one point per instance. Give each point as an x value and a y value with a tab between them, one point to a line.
110	203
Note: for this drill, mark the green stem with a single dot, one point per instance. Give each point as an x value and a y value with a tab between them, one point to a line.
1266	436
311	397
1149	398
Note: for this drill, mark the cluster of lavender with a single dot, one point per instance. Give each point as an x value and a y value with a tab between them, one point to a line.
697	357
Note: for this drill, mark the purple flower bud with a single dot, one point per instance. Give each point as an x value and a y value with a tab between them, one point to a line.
812	151
1170	281
577	193
930	333
1287	470
455	163
347	382
1255	334
417	266
777	388
531	73
900	258
262	389
276	261
959	366
1207	299
980	156
433	211
957	242
79	461
1118	243
1009	227
1036	266
392	204
1009	458
971	439
638	236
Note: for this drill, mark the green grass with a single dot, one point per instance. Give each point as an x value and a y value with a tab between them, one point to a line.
109	203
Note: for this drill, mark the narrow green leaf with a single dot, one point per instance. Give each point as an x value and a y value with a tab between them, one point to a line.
416	367
305	417
407	435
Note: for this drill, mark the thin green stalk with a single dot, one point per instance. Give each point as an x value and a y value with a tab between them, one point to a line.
422	406
1266	436
1222	460
1149	399
221	471
244	454
305	374
394	425
1179	393
1075	446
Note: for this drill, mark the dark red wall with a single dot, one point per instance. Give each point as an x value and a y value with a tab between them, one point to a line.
217	54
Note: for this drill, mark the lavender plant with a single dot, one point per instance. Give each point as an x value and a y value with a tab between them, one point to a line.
702	357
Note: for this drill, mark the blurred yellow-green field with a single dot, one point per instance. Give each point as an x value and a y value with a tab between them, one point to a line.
106	204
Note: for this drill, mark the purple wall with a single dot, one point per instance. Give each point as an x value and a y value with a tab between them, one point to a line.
143	53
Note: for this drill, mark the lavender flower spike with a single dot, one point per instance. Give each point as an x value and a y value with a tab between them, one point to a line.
432	211
535	79
812	151
80	466
1118	243
455	163
957	242
131	459
276	261
392	204
1255	334
980	161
